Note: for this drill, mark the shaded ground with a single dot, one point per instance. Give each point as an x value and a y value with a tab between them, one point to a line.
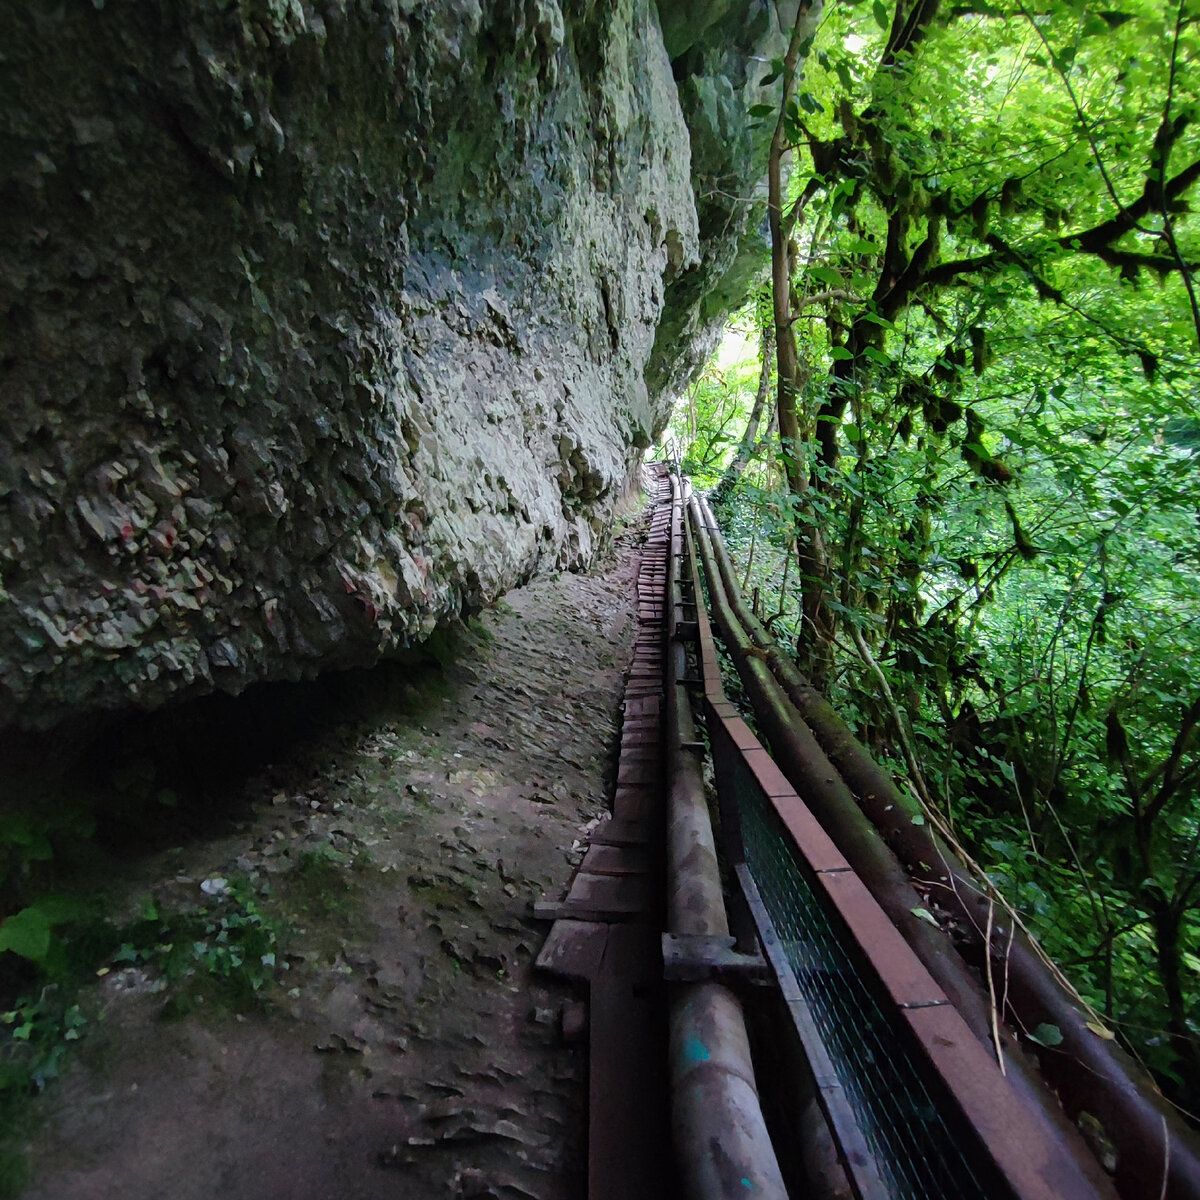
404	1050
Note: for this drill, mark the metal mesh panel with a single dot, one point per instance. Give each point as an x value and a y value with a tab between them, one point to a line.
919	1156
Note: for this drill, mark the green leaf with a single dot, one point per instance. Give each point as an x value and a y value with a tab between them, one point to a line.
1064	60
926	916
827	276
882	16
58	910
1183	432
840	354
1046	1035
26	933
763	110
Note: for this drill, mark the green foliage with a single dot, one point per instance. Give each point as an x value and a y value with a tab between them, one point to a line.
992	252
223	951
707	423
30	932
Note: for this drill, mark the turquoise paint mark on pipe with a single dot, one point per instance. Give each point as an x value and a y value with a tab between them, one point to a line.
695	1051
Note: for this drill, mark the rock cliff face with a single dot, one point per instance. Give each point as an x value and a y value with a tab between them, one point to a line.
321	322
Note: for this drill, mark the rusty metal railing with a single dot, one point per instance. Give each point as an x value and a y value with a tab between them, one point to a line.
1089	1074
917	1105
722	1144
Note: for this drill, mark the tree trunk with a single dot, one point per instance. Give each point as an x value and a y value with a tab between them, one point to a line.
750	440
814	643
1167	929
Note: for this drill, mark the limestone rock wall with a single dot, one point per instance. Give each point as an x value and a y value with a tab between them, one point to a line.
320	322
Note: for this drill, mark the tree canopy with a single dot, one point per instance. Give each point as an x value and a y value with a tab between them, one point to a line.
986	485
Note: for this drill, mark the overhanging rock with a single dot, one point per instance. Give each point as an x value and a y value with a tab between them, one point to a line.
322	322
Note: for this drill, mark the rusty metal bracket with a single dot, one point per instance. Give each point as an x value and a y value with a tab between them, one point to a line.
698	957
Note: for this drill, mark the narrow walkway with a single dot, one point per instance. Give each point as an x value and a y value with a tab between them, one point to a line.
607	930
424	1037
408	1051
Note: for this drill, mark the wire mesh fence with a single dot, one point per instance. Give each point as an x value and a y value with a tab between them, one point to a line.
920	1152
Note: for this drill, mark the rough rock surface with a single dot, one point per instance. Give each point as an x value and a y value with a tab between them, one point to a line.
323	321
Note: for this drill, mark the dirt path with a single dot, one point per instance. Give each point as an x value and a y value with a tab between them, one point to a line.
405	1050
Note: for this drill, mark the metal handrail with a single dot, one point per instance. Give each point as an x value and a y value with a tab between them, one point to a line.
1029	1159
723	1148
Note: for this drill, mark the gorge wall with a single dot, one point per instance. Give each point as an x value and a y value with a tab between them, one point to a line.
321	322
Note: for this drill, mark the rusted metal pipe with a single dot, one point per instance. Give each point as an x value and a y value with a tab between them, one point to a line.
721	1140
1090	1073
808	768
695	897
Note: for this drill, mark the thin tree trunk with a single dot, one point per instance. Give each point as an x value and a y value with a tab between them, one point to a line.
815	640
750	442
1167	929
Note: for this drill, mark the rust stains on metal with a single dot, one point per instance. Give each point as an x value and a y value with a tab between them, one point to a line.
1036	1159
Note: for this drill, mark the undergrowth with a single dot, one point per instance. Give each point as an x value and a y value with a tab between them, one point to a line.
70	831
222	953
